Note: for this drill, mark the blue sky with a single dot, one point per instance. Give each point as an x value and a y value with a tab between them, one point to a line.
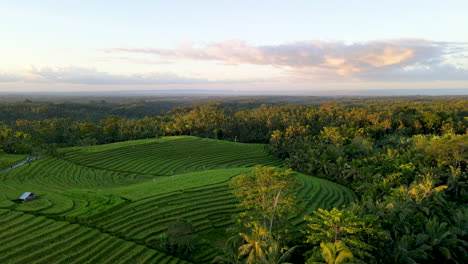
246	45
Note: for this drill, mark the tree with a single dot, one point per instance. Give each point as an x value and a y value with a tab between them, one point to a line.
277	254
336	253
258	250
255	245
268	195
112	128
448	150
331	226
405	250
231	251
441	241
179	237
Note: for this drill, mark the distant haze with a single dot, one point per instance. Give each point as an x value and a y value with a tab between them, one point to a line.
181	92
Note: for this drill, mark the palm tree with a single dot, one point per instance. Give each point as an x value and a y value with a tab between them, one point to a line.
230	251
255	245
442	241
276	254
456	182
405	250
336	253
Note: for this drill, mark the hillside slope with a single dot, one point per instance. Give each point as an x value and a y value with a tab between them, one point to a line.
128	193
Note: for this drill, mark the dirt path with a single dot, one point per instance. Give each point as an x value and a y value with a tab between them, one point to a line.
28	159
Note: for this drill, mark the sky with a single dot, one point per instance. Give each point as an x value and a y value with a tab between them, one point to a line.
233	45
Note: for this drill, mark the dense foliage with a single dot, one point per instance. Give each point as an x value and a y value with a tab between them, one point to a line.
405	158
92	111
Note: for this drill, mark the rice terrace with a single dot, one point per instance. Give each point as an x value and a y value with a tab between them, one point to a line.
112	203
234	132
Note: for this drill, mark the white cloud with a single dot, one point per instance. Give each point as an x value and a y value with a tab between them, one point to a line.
439	72
78	75
327	59
89	76
9	77
309	62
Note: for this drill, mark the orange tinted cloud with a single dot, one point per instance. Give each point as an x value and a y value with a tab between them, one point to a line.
329	58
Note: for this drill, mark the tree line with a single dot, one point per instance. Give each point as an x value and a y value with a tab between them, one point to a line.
406	159
246	122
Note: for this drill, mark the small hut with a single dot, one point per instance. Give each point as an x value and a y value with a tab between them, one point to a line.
28	196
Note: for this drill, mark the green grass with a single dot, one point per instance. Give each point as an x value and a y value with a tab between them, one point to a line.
170	156
27	238
175	183
7	160
110	203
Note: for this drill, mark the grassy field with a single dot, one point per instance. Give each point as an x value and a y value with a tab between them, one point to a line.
121	197
7	160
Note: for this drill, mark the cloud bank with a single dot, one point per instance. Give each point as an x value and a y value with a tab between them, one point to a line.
9	77
305	62
384	59
80	75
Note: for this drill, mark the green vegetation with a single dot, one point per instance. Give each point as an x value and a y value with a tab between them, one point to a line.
38	239
338	230
8	160
136	190
91	110
378	180
170	156
267	197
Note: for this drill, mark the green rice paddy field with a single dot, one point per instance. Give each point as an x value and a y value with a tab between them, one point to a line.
110	203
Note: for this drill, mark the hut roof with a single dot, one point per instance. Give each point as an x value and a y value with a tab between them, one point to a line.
25	195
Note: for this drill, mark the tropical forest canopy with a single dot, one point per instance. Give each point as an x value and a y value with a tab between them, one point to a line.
405	158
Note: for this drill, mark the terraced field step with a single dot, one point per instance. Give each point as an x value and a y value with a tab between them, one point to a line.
44	240
179	155
119	206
